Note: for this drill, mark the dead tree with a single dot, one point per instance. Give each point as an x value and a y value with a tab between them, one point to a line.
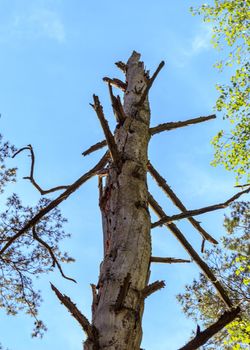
124	199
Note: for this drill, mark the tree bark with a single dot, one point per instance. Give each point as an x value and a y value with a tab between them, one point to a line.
124	271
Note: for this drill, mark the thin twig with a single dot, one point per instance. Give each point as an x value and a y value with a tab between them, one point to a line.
53	204
150	83
170	193
187	246
203	336
174	125
95	147
50	250
151	288
108	134
75	312
157	259
190	213
31	176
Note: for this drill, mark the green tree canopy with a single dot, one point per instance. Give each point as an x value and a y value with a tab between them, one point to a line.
231	264
6	174
230	23
34	253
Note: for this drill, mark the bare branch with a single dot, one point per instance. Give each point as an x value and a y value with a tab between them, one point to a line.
150	83
122	66
50	250
75	312
202	337
174	125
108	134
95	147
53	204
122	292
31	176
155	130
244	185
21	150
116	83
187	246
157	259
200	211
169	192
151	288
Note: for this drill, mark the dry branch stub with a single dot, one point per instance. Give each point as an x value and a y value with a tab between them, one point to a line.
158	259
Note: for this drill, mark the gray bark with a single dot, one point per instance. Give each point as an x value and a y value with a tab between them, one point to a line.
124	272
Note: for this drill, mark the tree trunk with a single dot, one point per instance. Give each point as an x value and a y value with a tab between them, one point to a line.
124	273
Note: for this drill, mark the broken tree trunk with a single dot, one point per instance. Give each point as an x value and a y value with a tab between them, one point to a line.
124	272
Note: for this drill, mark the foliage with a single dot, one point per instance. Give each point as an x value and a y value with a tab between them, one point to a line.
26	258
230	19
231	264
6	174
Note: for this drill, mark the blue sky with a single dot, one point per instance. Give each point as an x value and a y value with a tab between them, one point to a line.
53	55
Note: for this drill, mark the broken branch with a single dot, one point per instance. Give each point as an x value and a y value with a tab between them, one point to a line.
174	125
164	186
31	176
151	288
150	83
53	204
122	292
203	336
108	134
117	107
120	110
50	250
122	66
155	130
95	147
75	312
187	246
157	259
116	83
200	211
